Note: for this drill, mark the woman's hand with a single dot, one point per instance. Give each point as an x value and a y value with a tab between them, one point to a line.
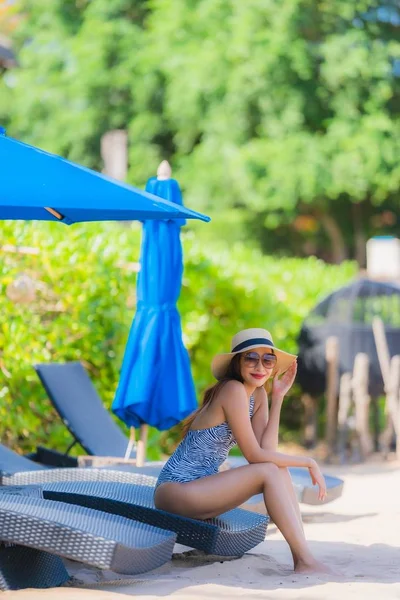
318	479
280	387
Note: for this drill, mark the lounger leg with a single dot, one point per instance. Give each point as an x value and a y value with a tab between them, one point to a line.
22	567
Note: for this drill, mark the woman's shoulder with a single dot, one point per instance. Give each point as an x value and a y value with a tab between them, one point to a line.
233	390
234	386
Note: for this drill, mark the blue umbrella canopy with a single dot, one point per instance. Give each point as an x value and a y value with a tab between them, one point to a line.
36	185
156	385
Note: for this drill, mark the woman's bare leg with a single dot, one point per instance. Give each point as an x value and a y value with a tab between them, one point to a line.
287	480
210	496
291	492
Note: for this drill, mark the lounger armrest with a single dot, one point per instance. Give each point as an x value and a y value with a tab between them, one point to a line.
53	458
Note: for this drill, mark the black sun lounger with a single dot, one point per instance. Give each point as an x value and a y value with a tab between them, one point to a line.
131	495
22	567
231	534
93	537
11	462
75	398
90	536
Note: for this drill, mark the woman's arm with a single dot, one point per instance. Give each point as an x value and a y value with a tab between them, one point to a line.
270	437
265	422
259	420
235	405
268	424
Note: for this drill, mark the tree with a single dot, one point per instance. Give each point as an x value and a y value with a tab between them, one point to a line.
287	111
75	82
287	108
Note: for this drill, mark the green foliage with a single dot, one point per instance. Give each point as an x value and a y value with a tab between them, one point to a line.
85	298
77	62
79	313
289	107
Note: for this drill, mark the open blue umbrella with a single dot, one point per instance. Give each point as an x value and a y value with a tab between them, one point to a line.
156	386
36	185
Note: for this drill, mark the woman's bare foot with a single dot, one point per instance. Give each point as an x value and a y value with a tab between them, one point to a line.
313	566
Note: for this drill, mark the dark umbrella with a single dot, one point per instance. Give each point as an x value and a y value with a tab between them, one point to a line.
156	386
36	185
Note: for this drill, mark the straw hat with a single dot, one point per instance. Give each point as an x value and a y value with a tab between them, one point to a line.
246	340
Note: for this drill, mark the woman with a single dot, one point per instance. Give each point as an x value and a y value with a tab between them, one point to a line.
235	411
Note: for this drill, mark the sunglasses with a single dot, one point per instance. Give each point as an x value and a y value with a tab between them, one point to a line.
268	361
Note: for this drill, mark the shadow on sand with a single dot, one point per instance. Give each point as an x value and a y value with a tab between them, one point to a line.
254	571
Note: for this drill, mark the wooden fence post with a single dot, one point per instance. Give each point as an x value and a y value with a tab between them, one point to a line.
362	401
344	409
382	349
332	355
392	407
310	420
390	372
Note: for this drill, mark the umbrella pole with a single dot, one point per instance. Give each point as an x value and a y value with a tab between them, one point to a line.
131	443
141	446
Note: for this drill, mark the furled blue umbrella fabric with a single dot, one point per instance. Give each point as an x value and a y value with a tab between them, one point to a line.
36	185
156	386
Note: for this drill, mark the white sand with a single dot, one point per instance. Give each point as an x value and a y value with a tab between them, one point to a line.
359	534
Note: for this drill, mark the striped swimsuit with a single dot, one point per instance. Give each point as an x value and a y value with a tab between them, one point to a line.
200	453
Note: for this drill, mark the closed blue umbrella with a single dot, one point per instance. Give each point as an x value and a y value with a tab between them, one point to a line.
156	386
37	185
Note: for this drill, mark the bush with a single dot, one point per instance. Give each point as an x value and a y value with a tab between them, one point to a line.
84	302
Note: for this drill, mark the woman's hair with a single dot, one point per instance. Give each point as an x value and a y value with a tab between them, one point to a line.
232	372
